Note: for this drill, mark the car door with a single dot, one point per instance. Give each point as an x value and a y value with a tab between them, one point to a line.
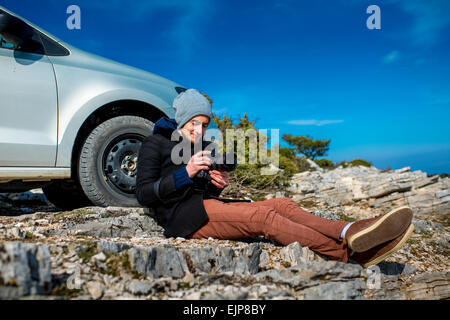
28	97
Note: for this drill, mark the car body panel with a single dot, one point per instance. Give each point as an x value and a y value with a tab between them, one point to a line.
28	105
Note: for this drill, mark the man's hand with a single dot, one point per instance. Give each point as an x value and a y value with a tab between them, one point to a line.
219	178
198	162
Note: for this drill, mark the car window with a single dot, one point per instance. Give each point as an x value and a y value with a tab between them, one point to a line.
5	44
53	48
15	34
18	35
29	41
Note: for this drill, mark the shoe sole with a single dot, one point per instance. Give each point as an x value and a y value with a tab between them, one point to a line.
393	250
390	229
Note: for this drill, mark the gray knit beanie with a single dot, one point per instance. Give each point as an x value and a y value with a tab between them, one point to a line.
189	104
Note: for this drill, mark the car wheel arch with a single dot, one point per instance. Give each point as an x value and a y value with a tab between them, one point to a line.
106	112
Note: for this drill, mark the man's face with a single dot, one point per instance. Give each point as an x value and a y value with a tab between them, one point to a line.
195	128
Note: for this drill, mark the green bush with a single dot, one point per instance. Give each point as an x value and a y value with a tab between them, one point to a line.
291	163
360	162
302	164
354	163
343	163
324	163
249	174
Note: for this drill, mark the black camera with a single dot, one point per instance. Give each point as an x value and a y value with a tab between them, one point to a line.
227	163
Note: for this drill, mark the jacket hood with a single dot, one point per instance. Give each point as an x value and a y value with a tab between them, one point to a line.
165	126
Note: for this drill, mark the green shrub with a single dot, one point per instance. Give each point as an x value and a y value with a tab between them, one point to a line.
292	164
288	165
343	163
302	164
324	163
354	163
250	175
360	162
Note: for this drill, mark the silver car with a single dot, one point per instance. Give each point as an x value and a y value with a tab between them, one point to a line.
72	122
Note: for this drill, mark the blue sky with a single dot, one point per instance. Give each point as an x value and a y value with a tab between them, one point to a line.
303	67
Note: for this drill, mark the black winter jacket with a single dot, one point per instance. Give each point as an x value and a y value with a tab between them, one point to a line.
176	199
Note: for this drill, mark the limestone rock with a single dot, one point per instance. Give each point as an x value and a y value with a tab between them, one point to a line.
443	193
314	165
95	289
24	269
295	254
379	189
138	287
121	226
430	286
156	262
292	253
350	290
121	253
170	262
426	226
343	281
112	247
385	189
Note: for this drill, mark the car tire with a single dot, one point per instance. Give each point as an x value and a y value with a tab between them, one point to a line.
108	158
66	194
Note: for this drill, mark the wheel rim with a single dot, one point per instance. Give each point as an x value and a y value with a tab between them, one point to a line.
120	162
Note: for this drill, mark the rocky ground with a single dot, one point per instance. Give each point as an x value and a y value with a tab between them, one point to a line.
120	253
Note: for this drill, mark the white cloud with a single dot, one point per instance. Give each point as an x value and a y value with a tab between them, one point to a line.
438	100
377	152
391	57
183	31
430	18
313	122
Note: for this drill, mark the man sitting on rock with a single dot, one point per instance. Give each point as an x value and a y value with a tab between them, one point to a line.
188	206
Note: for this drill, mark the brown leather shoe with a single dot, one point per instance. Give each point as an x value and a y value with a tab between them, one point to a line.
368	233
382	251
